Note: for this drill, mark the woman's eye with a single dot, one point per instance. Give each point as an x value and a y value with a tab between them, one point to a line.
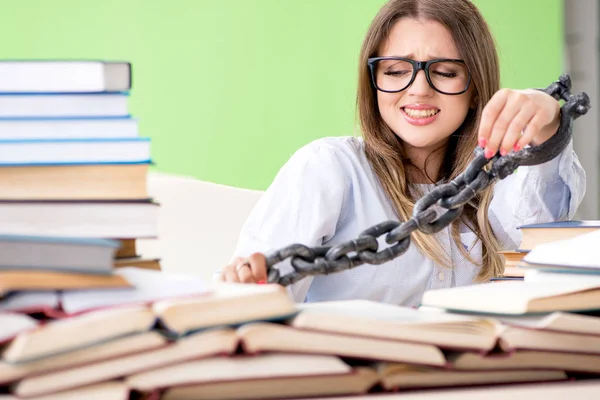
396	73
446	74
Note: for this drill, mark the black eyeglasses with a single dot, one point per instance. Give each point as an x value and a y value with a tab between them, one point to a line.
394	74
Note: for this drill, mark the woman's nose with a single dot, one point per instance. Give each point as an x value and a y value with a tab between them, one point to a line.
420	86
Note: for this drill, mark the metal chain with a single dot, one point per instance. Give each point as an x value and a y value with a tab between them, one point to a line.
451	196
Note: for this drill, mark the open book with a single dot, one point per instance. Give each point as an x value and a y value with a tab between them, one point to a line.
377	320
517	297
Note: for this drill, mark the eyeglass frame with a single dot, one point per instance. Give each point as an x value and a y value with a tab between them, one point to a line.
417	66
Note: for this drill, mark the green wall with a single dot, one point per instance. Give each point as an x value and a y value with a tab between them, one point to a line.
228	89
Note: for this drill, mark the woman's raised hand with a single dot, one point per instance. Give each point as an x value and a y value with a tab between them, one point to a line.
513	119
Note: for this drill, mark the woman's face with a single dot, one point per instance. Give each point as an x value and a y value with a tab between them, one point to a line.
420	116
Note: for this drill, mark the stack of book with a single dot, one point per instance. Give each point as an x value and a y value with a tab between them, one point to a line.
537	234
72	163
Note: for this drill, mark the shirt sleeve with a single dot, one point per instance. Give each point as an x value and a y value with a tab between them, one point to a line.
534	194
302	205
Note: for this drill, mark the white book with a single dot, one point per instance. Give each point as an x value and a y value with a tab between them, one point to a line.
37	76
580	254
125	220
63	105
68	128
75	151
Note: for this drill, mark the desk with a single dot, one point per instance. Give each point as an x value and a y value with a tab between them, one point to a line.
572	390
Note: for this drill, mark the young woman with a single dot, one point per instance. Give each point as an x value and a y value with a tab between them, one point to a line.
428	94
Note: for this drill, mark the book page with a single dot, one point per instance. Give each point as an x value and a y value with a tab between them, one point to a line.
506	297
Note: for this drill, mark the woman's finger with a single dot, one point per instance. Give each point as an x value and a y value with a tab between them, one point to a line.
258	264
230	275
244	272
489	115
516	128
502	122
532	129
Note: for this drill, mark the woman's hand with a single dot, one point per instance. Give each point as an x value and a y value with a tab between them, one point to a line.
515	118
246	270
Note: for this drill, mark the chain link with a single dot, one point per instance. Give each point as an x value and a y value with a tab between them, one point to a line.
451	196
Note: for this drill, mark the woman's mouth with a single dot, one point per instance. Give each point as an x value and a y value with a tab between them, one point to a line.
420	116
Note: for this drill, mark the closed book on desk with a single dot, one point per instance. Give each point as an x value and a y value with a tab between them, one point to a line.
74	182
17	281
536	234
68	128
62	105
22	252
580	254
90	219
66	76
74	151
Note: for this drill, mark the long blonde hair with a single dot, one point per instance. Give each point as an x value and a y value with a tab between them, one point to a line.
384	149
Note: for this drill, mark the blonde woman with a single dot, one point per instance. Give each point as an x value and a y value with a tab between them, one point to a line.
428	94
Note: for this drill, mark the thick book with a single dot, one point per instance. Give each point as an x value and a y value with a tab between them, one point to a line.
194	347
385	321
66	76
21	252
89	219
53	105
536	234
580	254
68	128
516	297
23	152
277	338
35	280
74	182
402	376
138	262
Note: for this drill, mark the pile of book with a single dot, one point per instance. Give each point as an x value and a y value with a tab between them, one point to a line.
174	337
537	234
73	172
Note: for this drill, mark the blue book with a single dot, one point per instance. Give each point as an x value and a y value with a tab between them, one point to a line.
536	234
75	151
24	252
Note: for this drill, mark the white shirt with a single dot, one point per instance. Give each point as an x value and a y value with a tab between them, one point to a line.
327	193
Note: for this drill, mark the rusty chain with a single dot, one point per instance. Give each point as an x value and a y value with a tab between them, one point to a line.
452	196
